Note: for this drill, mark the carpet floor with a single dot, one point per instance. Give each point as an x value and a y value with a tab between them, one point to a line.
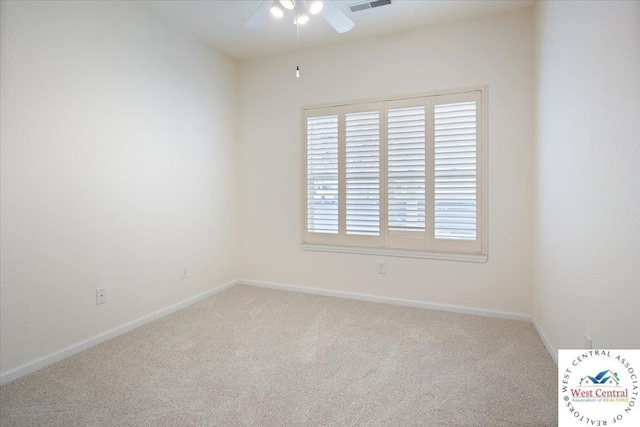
253	356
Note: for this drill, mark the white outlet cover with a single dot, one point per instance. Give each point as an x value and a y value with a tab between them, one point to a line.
101	296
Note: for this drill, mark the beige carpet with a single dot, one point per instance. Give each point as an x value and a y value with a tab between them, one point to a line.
251	356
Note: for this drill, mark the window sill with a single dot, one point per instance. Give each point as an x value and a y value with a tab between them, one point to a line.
479	258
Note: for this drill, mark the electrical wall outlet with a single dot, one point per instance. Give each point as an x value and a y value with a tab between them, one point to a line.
382	267
184	271
101	296
587	342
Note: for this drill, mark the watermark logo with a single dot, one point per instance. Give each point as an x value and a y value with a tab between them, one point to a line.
598	387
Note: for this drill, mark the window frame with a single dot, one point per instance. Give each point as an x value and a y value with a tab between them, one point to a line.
398	243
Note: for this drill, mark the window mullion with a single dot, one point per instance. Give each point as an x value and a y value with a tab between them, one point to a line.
429	172
342	176
384	185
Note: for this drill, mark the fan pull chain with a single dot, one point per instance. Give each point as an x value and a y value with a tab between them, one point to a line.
295	4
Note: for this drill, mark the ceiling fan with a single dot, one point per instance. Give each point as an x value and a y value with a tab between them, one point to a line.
301	9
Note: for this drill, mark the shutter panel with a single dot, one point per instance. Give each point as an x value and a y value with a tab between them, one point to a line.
363	173
455	171
406	168
322	174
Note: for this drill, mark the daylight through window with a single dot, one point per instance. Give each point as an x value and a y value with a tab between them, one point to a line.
400	174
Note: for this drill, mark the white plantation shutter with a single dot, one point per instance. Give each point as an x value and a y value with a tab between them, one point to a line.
455	171
362	136
322	174
403	174
406	168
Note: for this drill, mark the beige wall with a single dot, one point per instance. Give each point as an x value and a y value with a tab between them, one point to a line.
118	155
497	51
587	206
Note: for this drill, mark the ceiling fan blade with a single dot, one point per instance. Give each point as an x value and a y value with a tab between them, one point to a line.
336	17
259	17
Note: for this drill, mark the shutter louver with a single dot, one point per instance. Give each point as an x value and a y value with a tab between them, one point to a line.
363	173
455	171
322	174
406	168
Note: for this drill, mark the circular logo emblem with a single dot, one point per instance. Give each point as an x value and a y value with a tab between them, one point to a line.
598	387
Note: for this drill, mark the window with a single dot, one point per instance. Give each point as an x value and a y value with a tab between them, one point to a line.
397	176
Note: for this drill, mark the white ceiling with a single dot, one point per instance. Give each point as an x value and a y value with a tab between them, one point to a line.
221	22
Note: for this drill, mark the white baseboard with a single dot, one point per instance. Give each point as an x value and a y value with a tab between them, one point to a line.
552	351
389	300
412	303
35	365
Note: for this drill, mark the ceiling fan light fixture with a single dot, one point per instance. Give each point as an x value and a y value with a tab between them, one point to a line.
302	19
287	4
315	7
276	11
